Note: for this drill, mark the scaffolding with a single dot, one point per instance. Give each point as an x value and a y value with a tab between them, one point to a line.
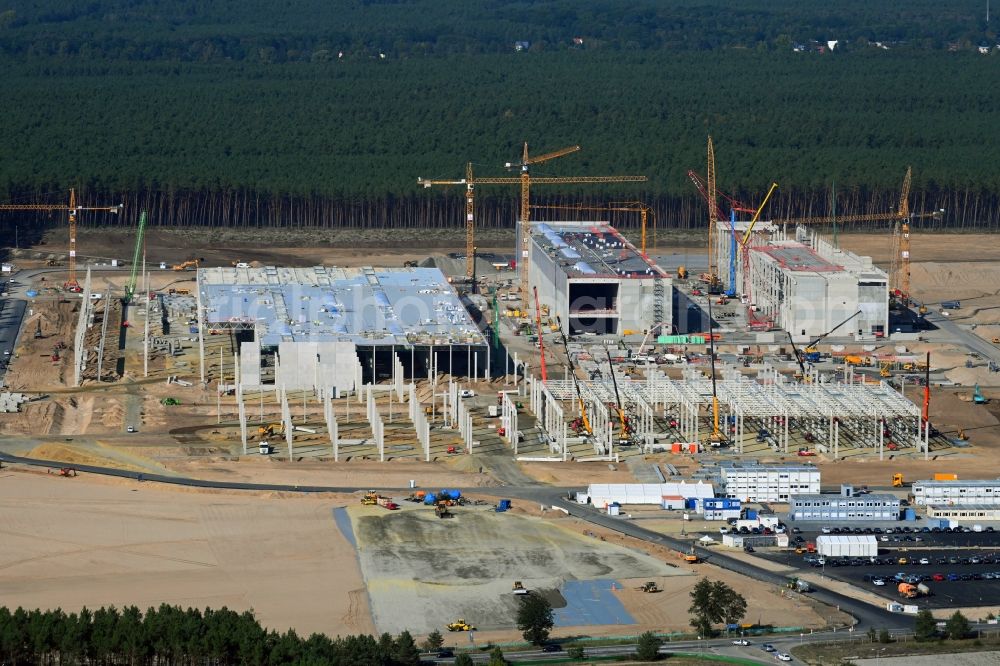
768	410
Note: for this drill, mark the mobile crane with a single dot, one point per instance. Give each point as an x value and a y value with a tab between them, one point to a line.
584	420
625	436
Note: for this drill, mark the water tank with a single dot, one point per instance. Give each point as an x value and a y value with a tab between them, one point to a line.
430	498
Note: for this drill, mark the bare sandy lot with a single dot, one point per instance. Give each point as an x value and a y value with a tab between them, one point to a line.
70	543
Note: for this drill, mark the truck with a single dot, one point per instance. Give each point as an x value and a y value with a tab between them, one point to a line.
951	305
907	590
946	477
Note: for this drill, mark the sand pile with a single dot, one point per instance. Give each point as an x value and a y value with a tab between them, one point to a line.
78	456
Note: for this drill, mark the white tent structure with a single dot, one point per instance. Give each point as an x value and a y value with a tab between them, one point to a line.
847	545
602	494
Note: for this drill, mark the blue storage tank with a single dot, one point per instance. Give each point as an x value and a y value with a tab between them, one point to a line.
430	498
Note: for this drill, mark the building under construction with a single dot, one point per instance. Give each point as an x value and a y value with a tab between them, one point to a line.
597	282
329	326
803	284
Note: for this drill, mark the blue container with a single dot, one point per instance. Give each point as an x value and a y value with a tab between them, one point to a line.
430	498
751	514
909	514
454	494
690	503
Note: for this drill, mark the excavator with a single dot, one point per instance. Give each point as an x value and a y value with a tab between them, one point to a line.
625	435
193	263
270	429
584	423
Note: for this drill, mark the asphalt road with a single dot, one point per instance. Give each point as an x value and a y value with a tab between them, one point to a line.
944	594
963	336
866	615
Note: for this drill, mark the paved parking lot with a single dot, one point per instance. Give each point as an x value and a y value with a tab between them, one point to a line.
971	584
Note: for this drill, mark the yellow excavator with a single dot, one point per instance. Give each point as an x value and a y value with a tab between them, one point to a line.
270	429
186	265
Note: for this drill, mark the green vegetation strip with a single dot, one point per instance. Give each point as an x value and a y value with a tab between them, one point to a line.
834	653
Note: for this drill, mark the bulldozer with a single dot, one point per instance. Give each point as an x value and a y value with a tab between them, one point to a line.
897	481
370	498
650	587
460	625
519	588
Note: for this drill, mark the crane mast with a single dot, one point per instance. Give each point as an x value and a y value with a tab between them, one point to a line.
72	210
541	343
524	181
139	237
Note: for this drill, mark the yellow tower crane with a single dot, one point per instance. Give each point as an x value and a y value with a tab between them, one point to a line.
645	212
714	284
899	270
73	209
525	181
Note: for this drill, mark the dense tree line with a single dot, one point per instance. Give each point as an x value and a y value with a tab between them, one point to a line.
170	635
318	30
120	99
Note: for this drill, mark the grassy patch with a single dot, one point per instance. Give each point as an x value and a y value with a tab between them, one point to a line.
824	654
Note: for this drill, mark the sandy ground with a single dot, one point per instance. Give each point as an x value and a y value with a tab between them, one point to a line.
70	543
423	572
396	474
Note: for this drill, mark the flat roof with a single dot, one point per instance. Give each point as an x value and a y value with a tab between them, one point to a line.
971	483
814	497
367	306
593	250
736	465
964	507
797	257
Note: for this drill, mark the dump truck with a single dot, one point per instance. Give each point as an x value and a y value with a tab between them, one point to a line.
460	625
946	477
387	503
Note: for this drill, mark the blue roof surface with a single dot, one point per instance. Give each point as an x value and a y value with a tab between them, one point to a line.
386	306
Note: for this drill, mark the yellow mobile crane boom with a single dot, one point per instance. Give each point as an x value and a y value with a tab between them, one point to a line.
576	384
73	209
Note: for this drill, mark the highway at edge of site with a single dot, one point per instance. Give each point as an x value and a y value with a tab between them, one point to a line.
865	614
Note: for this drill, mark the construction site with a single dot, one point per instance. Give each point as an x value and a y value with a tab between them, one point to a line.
569	356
